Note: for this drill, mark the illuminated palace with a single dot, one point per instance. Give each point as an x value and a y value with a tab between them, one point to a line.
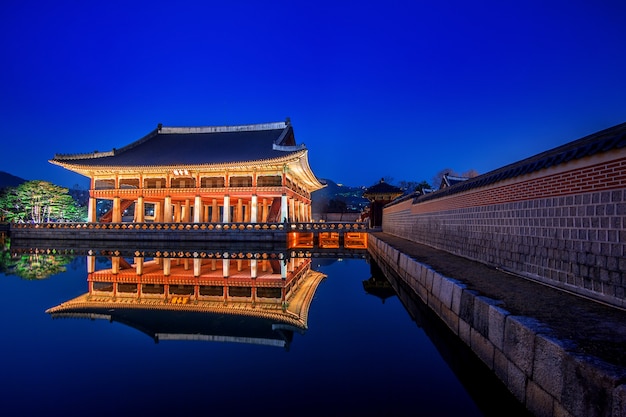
247	173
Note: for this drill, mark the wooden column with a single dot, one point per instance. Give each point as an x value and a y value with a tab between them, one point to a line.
177	210
115	264
91	210
292	210
186	212
158	212
197	210
139	265
91	264
117	212
253	209
284	213
167	210
264	211
139	210
239	216
226	214
225	268
215	216
253	268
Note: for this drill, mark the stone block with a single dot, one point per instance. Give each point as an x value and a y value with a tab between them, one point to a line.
414	269
464	332
428	279
548	364
450	318
482	347
519	341
466	308
434	304
500	365
480	321
589	386
436	284
538	401
445	292
497	319
457	290
403	261
516	382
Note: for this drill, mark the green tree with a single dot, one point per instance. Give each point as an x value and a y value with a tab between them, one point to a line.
39	201
35	266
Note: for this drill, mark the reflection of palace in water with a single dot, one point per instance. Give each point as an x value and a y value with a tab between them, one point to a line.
231	297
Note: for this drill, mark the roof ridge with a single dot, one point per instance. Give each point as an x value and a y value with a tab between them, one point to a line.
221	129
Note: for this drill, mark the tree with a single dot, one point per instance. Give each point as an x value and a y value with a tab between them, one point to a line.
412	186
39	201
423	186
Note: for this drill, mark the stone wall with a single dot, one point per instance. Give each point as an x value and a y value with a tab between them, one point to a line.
558	217
537	368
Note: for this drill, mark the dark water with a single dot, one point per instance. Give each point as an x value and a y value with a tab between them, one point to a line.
364	353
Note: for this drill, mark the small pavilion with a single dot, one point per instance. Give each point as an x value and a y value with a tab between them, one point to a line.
379	195
246	173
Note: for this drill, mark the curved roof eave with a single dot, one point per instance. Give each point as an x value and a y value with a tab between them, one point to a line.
305	173
87	169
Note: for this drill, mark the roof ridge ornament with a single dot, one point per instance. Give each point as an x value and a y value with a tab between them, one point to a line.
222	129
300	147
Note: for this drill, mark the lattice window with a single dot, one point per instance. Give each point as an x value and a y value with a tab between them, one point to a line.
269	181
154	183
105	184
212	182
241	181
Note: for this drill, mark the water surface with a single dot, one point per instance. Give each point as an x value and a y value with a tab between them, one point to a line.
363	353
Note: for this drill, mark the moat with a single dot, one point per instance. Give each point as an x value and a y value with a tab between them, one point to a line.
339	341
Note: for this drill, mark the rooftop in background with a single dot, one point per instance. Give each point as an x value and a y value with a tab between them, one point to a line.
449	180
382	188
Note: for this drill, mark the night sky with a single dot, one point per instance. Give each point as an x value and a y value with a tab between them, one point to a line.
395	89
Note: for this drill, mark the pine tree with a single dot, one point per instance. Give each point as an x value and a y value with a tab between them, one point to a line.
39	201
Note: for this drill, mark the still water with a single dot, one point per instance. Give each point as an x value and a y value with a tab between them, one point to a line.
338	342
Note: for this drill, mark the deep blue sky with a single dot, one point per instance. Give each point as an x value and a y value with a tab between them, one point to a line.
396	89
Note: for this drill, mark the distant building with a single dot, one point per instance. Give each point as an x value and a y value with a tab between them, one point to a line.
245	173
449	180
379	195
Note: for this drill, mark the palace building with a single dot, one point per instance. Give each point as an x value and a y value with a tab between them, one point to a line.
247	173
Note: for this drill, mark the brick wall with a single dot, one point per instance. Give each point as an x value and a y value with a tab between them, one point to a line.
564	225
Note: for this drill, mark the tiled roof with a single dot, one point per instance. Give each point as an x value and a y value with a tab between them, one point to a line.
449	180
196	146
602	141
382	188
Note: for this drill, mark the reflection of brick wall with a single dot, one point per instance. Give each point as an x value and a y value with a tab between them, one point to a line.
564	225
